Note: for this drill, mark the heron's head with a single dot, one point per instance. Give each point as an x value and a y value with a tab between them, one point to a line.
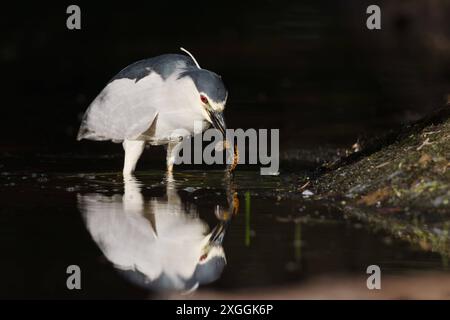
212	95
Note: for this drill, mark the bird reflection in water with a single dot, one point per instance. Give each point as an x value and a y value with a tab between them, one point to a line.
161	243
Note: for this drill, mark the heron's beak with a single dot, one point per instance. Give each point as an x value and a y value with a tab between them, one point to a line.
218	121
218	233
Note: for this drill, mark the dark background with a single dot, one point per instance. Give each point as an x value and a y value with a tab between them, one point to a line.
310	68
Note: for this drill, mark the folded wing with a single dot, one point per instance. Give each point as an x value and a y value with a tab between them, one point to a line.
128	106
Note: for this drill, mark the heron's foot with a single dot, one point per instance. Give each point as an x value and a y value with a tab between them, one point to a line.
172	154
127	174
170	162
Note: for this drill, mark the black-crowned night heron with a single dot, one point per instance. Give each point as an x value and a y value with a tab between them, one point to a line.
156	101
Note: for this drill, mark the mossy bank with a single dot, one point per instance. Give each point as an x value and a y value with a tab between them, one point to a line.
399	182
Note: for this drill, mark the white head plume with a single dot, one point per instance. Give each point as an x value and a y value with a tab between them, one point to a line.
190	55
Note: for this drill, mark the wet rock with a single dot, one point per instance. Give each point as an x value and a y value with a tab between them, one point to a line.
399	182
409	167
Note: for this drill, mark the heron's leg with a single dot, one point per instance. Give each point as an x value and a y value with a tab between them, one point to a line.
133	150
172	151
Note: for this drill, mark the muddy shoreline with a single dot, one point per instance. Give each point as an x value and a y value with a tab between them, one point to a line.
399	182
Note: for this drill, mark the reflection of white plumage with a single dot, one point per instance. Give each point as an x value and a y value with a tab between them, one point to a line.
156	101
157	243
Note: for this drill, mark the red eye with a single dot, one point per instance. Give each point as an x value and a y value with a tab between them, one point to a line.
204	99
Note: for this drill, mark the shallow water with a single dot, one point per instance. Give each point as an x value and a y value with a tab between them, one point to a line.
189	231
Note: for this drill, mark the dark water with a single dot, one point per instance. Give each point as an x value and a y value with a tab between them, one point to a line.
156	232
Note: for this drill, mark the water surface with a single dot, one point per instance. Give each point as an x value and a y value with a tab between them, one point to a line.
195	230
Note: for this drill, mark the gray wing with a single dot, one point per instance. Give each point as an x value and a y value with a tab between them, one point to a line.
129	104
